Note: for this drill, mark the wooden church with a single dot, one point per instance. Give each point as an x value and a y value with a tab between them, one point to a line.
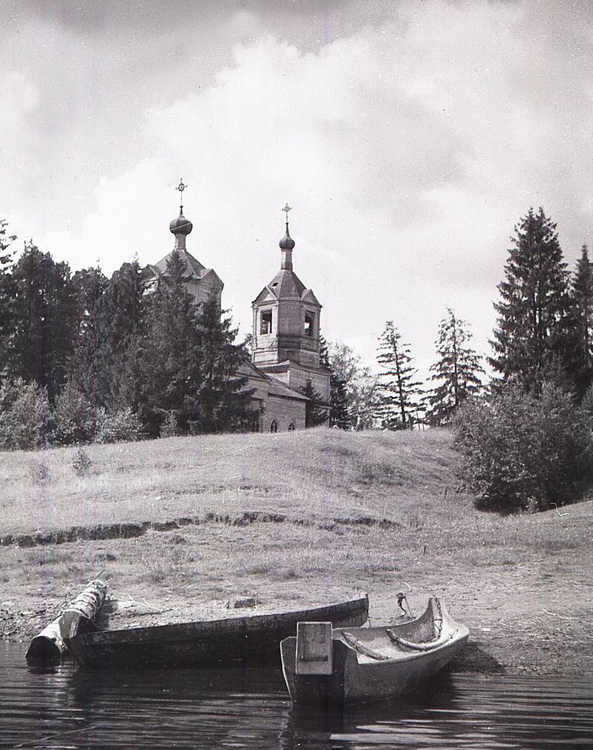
285	334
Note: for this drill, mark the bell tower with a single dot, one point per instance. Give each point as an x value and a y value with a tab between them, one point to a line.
286	330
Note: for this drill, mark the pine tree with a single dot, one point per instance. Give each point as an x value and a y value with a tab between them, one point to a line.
533	340
457	370
582	296
222	403
399	392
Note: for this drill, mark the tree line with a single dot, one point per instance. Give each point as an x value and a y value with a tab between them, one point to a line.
524	432
84	357
544	334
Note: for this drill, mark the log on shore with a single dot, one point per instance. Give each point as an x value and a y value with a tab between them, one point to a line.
79	615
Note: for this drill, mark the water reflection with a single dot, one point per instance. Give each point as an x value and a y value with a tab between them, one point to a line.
248	708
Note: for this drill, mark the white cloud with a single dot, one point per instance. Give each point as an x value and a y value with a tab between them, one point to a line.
408	149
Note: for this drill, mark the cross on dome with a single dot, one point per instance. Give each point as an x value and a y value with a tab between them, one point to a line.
181	187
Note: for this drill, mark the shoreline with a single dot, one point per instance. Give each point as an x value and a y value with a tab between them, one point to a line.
300	518
507	636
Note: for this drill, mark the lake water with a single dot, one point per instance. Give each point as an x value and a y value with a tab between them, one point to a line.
248	708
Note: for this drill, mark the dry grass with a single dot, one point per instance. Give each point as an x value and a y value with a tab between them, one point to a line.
320	473
497	573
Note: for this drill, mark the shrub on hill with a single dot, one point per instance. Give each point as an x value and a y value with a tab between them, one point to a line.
523	452
24	415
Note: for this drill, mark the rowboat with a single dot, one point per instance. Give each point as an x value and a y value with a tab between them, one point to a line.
248	638
327	666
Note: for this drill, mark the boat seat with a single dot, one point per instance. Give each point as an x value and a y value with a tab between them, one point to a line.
427	646
362	648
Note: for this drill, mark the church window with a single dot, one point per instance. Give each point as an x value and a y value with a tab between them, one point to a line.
274	426
291	427
309	324
266	322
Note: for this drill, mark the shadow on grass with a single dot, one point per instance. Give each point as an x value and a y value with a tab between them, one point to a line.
474	659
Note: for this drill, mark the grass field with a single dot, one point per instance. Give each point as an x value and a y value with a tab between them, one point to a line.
291	518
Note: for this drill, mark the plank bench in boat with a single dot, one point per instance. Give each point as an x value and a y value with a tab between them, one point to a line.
327	665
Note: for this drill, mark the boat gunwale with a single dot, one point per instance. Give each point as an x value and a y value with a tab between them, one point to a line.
458	632
248	623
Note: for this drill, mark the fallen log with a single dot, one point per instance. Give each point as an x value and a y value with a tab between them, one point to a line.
78	616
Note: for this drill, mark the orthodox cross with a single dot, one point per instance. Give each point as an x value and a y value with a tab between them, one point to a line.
286	209
181	187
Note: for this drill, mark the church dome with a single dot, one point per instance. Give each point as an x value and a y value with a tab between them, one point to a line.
286	243
181	225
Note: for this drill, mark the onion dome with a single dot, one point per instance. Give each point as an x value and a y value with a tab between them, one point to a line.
181	225
286	243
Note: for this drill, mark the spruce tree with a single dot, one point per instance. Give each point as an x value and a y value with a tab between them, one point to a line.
6	295
123	325
316	411
582	296
457	371
170	358
339	415
222	403
399	391
358	385
45	320
87	369
533	340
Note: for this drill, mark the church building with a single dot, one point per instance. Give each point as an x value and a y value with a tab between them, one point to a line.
201	282
286	340
285	336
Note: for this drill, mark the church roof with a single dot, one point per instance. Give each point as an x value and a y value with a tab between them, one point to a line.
193	268
275	386
284	286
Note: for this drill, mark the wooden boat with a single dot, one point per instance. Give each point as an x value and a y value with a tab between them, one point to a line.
247	638
328	666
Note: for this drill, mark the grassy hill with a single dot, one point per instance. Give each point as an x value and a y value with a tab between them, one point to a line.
181	528
314	474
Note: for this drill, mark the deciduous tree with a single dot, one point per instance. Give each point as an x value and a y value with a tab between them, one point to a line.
525	452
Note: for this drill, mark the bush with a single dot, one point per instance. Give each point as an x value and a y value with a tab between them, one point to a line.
170	425
74	421
119	426
24	415
525	453
81	463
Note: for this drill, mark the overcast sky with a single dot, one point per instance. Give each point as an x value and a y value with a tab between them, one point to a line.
408	136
